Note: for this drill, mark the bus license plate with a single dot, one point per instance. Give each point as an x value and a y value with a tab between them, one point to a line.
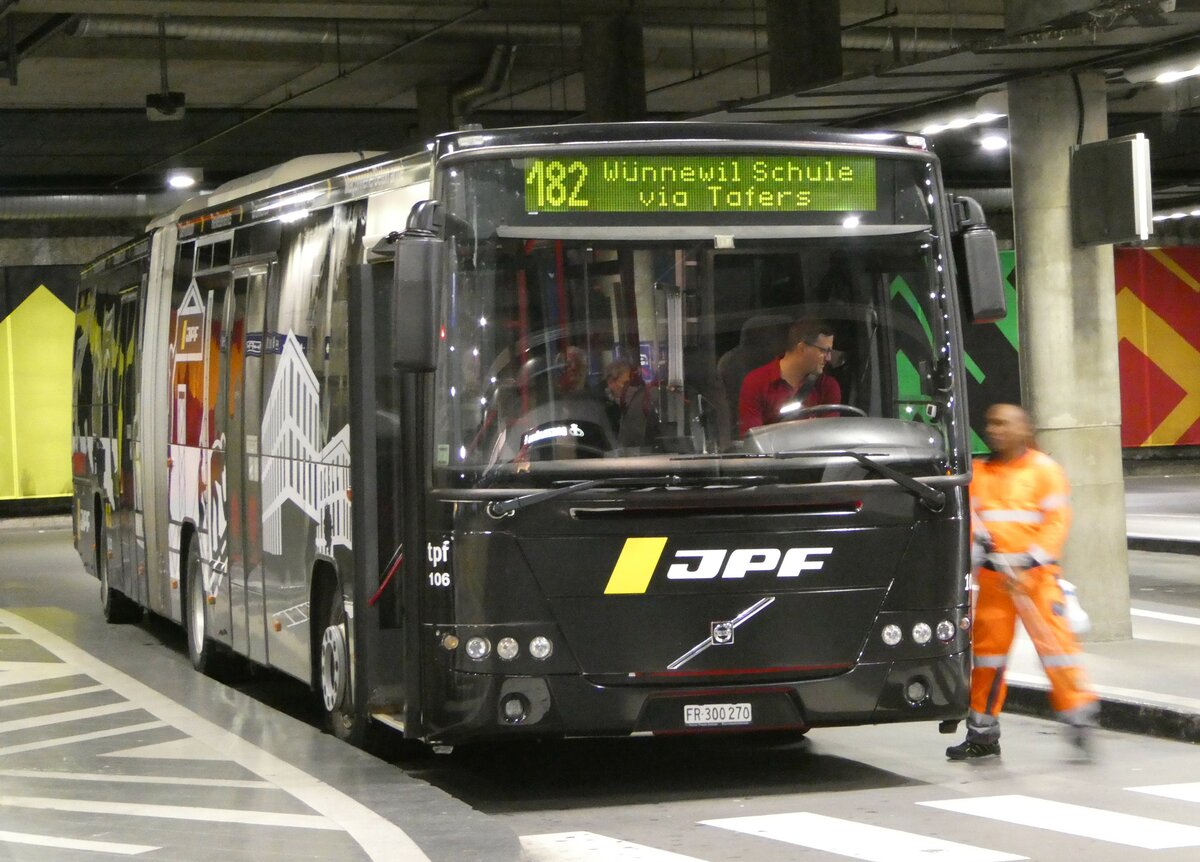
716	714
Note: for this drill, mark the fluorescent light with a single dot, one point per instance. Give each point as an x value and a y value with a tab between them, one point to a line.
1172	75
993	142
184	178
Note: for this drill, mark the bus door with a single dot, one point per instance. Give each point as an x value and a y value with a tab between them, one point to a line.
242	461
216	506
124	543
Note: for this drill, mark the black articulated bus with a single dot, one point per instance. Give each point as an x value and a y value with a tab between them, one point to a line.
350	418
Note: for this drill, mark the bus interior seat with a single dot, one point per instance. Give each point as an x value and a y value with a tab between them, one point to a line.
763	338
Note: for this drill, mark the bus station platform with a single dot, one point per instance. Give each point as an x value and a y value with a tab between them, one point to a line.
1150	684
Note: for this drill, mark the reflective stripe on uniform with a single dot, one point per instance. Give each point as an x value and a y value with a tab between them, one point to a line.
1011	516
1040	556
1054	501
1064	660
990	660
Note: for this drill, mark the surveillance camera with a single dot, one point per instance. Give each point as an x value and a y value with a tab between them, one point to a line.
165	106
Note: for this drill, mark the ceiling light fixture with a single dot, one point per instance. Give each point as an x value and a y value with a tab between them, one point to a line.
993	143
987	109
1164	71
184	178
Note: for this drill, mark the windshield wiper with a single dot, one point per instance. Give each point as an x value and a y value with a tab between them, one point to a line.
932	498
508	507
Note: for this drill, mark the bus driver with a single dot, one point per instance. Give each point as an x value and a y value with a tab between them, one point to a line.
797	377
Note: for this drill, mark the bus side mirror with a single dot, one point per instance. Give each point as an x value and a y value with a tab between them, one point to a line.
977	260
420	255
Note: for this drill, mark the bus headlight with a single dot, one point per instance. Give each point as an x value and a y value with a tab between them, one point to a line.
921	633
507	648
541	647
945	630
891	634
478	648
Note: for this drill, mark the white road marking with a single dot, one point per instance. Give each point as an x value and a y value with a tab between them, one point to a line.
1094	823
12	636
179	749
857	840
171	812
80	737
590	847
134	779
380	838
17	672
64	717
1170	618
74	843
53	695
1188	792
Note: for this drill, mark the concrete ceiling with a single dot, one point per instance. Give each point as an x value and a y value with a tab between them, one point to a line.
266	80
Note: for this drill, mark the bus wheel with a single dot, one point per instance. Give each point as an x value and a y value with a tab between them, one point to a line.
337	694
115	605
195	612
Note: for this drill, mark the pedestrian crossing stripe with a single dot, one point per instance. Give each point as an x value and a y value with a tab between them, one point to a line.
1095	823
590	847
857	840
1188	792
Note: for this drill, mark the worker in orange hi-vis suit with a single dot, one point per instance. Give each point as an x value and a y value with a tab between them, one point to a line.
1020	512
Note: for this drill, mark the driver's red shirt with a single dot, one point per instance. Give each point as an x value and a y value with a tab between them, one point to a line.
764	391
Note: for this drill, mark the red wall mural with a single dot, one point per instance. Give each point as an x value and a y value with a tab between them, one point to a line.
1158	324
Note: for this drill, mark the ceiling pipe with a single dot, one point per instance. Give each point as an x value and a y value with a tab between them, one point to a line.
115	206
277	31
499	68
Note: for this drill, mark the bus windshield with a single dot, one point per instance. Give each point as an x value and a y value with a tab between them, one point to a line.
603	343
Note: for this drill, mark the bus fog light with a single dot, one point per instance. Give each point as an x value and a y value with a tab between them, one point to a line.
514	708
916	691
541	647
921	633
945	630
507	648
891	634
478	648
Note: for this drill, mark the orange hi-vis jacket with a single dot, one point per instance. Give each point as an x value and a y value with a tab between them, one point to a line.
1023	505
1020	512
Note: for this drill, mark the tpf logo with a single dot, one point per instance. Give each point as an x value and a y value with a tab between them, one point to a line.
706	564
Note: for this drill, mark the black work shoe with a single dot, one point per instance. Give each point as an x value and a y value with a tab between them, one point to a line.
1080	738
973	750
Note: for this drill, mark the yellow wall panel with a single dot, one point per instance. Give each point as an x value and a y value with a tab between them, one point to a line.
35	398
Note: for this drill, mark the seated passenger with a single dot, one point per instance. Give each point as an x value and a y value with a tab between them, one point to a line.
794	380
635	417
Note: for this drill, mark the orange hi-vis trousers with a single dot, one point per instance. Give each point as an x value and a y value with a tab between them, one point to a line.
1037	599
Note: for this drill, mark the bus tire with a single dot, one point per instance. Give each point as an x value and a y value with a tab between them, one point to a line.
336	686
195	612
115	605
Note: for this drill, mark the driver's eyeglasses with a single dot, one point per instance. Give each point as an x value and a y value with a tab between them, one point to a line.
828	351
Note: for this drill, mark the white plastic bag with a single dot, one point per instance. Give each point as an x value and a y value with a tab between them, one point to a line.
1077	617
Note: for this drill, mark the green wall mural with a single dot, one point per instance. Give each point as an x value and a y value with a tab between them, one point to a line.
992	361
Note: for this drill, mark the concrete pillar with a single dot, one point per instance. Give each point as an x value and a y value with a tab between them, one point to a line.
435	110
614	68
804	39
1068	320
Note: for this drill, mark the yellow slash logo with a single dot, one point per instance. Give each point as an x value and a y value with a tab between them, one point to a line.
639	558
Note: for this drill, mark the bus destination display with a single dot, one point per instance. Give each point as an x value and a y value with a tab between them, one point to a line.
700	183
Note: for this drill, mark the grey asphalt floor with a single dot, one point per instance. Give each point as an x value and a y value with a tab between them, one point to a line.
1148	685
